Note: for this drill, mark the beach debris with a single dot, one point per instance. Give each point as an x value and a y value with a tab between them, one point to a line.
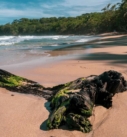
22	85
71	103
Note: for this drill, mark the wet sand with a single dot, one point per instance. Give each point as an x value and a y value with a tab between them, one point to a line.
24	115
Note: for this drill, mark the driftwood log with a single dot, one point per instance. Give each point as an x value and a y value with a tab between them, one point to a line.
71	103
22	85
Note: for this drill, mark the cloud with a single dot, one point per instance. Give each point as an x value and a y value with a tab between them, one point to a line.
74	8
12	10
20	13
82	3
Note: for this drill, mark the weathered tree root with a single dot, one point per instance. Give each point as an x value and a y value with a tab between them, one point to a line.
71	103
22	85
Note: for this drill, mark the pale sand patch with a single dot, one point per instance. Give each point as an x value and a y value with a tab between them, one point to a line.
112	122
118	50
65	71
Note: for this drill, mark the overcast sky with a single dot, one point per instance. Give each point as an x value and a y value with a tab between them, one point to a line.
16	9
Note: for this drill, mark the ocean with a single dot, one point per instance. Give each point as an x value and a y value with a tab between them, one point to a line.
27	49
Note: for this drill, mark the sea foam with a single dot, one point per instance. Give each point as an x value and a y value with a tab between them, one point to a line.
17	49
9	40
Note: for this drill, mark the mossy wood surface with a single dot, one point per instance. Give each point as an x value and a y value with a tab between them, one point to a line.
72	103
22	85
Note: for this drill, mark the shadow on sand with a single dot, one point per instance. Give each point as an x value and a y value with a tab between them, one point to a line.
79	48
43	126
104	56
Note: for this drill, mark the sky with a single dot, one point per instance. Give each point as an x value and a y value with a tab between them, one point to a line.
16	9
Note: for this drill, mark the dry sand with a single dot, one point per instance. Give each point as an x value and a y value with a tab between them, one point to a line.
24	115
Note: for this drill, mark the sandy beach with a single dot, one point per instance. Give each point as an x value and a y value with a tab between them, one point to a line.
25	115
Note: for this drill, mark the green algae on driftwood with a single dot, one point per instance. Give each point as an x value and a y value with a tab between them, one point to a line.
22	85
71	103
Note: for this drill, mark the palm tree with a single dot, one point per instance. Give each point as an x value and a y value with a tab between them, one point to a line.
107	8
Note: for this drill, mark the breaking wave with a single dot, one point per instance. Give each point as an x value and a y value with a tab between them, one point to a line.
9	40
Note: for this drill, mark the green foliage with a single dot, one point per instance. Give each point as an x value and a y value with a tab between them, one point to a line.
113	17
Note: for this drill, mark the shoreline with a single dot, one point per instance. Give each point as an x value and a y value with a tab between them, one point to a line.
24	115
67	52
101	54
103	33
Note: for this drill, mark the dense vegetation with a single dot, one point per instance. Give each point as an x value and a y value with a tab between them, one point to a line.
112	18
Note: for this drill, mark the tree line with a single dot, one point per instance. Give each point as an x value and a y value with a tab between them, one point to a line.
112	18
